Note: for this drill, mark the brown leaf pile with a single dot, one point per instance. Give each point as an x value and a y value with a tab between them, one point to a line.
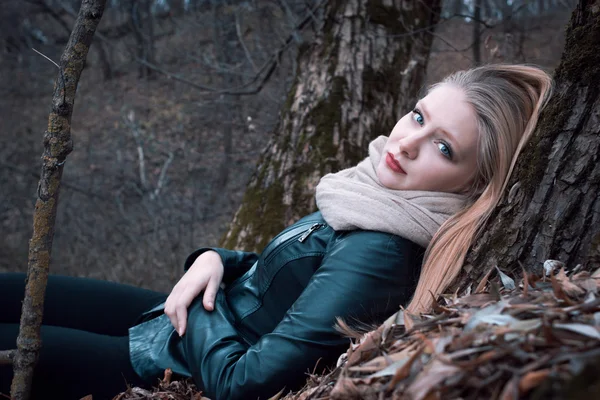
502	344
166	390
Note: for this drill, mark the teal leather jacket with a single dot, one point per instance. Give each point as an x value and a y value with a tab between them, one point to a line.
274	322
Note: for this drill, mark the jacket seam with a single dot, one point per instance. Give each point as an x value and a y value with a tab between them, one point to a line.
264	292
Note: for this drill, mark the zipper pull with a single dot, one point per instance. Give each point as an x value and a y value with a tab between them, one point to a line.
310	230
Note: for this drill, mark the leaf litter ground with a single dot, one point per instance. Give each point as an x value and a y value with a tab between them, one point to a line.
503	341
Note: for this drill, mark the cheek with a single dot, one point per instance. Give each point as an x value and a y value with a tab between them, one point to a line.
459	179
440	175
399	128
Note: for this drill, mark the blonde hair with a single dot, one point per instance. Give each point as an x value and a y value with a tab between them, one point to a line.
507	100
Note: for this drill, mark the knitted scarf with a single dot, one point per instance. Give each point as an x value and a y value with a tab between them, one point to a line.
354	199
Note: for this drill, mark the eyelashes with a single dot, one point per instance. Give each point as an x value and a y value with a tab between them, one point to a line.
445	148
418	116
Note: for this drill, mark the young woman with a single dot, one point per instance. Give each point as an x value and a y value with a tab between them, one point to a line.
426	189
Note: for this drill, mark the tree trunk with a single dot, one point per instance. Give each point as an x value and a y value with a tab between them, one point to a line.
142	27
457	6
552	210
477	31
362	72
57	146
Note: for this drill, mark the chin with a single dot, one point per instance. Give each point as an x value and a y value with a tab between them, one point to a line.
380	175
386	182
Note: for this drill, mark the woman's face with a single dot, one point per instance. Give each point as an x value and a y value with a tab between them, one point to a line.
433	147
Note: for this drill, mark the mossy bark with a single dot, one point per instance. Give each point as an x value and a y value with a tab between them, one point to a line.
57	145
362	72
553	208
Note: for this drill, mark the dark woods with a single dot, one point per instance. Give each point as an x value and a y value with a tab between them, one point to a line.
175	105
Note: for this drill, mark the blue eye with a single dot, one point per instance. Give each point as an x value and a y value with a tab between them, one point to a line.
445	149
418	117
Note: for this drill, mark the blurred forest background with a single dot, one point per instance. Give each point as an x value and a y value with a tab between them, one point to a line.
176	103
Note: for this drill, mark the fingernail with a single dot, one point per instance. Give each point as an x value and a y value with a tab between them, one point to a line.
210	304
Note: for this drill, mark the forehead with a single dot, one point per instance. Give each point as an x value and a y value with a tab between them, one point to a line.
448	96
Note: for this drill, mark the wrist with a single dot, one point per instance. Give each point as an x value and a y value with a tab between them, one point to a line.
210	256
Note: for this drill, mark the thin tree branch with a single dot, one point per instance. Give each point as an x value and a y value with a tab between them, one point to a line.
267	68
162	175
472	18
57	146
130	121
66	185
241	39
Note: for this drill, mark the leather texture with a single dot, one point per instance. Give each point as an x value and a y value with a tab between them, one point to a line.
274	322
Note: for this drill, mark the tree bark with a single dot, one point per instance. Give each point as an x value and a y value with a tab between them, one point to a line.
57	145
477	31
552	210
362	72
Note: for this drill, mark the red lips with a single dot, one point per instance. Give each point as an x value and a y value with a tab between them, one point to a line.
394	164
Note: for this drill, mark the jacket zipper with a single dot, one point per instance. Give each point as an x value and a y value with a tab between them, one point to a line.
310	230
283	237
275	243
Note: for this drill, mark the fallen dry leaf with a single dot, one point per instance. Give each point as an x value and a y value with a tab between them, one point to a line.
532	379
431	378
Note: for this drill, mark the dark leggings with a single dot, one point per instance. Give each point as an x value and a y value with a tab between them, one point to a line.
85	343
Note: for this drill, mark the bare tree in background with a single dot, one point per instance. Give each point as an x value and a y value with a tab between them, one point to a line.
361	73
153	174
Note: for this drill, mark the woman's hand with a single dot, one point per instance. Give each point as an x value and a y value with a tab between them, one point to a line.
206	273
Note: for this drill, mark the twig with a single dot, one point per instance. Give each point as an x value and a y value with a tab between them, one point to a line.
130	121
450	45
242	43
67	185
47	58
62	75
162	175
269	66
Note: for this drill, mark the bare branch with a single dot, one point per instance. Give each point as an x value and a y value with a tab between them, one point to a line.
472	18
162	175
66	185
130	122
459	51
267	68
47	58
241	39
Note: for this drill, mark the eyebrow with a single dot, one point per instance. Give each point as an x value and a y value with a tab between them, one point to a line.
450	136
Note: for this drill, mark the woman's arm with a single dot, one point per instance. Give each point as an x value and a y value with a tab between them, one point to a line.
236	263
364	275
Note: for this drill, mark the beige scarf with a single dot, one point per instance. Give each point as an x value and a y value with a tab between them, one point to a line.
354	199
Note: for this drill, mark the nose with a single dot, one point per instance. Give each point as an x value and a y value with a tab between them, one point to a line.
409	146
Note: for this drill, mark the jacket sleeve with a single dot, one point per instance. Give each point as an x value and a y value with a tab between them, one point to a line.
235	263
360	276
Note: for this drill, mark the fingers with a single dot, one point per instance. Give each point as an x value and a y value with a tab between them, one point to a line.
170	312
210	293
178	317
181	320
